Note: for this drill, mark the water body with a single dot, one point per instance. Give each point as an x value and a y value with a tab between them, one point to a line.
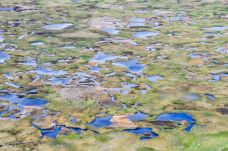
138	116
29	62
155	78
3	57
100	122
49	72
57	26
218	28
102	58
111	31
136	22
60	81
55	131
178	117
145	34
7	8
12	84
1	39
191	97
38	43
145	133
13	98
131	65
210	97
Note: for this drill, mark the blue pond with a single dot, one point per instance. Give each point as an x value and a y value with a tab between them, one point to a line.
30	62
12	84
8	76
12	98
145	133
49	72
102	58
60	81
38	43
210	97
53	132
131	65
222	50
178	117
3	57
136	22
138	116
11	111
191	97
155	78
219	28
216	77
95	69
111	31
1	39
145	34
101	122
57	26
7	8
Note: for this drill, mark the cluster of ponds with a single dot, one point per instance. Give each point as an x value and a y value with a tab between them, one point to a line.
15	106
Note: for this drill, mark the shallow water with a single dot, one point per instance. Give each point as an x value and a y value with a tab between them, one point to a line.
49	72
218	28
60	81
178	117
64	62
12	98
3	57
145	34
38	43
111	31
100	122
145	133
131	65
57	26
138	116
155	78
102	58
1	39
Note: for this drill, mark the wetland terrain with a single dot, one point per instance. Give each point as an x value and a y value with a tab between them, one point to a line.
114	75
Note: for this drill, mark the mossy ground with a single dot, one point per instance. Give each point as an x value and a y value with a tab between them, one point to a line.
182	74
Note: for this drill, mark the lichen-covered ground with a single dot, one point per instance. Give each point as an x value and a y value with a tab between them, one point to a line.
114	75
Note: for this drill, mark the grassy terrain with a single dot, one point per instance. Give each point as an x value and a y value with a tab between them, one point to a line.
172	59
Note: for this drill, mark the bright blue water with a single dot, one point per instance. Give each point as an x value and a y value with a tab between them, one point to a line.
145	133
51	133
138	116
101	122
131	65
177	117
12	98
